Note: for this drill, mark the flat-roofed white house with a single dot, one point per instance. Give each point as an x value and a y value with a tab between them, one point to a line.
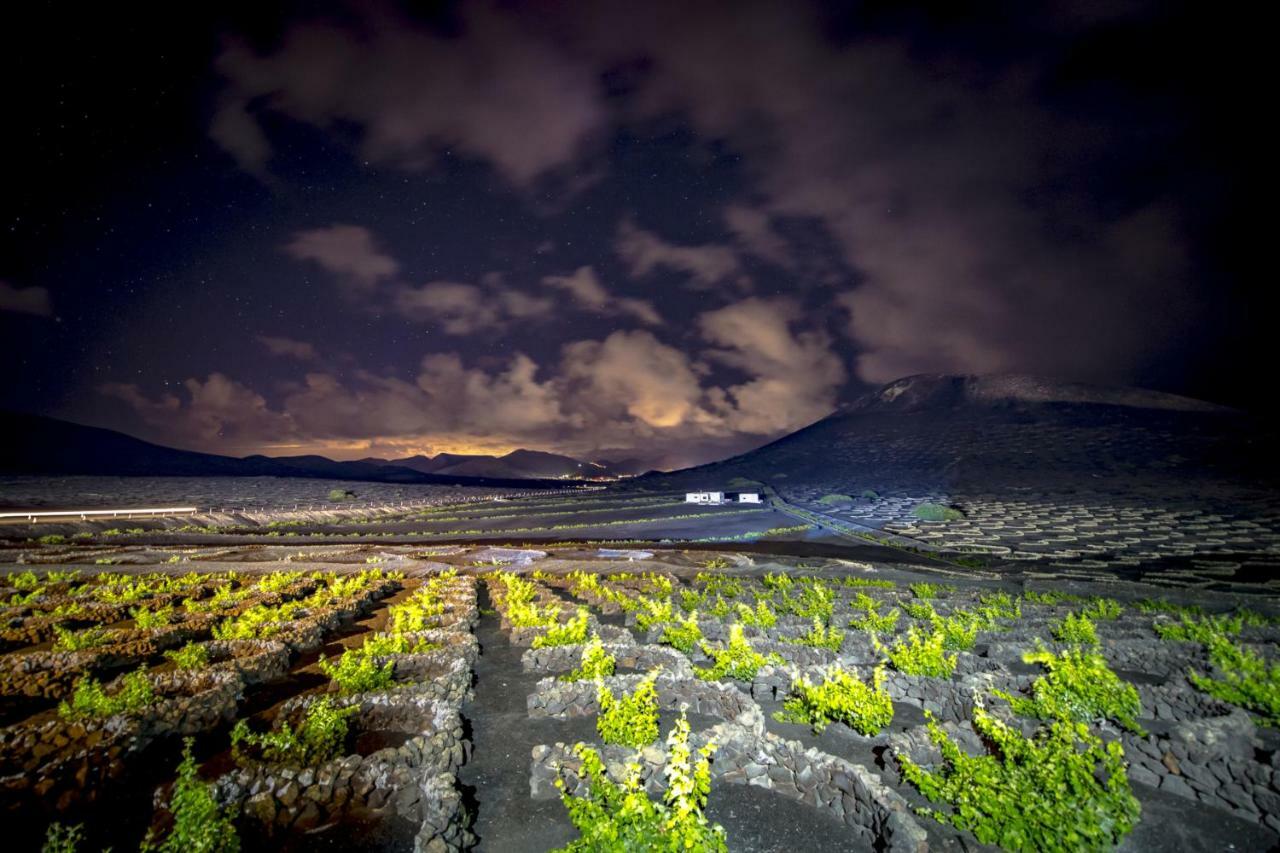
722	497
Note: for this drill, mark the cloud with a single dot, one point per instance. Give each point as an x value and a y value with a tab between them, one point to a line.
25	300
347	251
464	309
585	288
629	389
635	374
793	377
752	229
958	193
218	414
288	347
496	91
643	252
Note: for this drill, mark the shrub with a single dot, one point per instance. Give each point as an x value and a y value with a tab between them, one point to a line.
926	590
651	613
381	645
1079	687
919	609
1063	790
91	701
959	630
631	720
596	663
62	839
683	634
620	816
920	654
835	500
820	637
356	672
52	539
74	641
716	563
337	495
25	582
147	619
1203	629
815	601
735	660
875	623
570	633
841	697
761	617
190	656
874	583
777	581
1000	605
1076	628
319	737
937	512
1245	678
1051	598
200	825
1102	609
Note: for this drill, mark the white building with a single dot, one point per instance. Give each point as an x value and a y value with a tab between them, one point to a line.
749	498
704	497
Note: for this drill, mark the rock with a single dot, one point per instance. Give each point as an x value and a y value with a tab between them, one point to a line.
1169	761
1175	785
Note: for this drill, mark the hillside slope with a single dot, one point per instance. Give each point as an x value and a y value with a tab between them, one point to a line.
968	434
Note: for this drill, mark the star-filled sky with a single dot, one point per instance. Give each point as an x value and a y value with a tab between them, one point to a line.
665	230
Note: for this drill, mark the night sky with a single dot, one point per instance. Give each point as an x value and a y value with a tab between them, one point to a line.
612	229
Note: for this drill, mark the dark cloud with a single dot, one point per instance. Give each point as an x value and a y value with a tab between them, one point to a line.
678	228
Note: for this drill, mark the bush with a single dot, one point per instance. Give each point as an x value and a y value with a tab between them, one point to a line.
146	619
62	839
200	825
736	660
875	623
570	633
1245	678
74	641
1102	609
926	590
356	672
338	495
1076	628
919	654
382	645
631	720
684	634
621	817
959	630
835	500
1203	630
841	697
820	637
919	610
1079	687
319	737
761	617
1063	790
91	701
937	512
190	656
596	663
875	583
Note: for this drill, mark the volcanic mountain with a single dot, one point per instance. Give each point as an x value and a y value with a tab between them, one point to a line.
992	434
34	444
